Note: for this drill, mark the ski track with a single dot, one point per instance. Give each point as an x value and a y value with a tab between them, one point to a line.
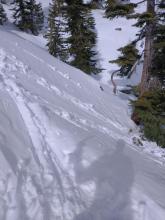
48	190
43	186
62	185
53	68
89	108
70	117
52	184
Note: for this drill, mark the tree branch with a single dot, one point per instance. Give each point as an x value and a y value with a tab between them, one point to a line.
113	82
138	3
134	66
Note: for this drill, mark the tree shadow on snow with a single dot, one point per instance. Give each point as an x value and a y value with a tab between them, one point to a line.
113	176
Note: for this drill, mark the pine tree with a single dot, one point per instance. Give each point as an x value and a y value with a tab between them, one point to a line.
20	17
149	112
116	8
82	38
35	16
149	107
158	66
3	17
57	25
128	57
95	4
149	24
28	15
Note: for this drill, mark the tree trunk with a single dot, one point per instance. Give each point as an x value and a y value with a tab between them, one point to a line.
113	82
148	50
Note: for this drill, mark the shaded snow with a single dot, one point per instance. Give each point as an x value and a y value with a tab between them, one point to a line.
66	149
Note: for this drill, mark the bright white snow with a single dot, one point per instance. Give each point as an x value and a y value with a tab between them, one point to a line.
66	149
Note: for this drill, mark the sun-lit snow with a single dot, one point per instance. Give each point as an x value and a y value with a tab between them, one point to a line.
66	146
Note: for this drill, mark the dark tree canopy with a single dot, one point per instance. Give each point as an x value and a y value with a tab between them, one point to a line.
3	17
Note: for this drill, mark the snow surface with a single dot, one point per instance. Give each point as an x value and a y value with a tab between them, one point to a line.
66	148
110	39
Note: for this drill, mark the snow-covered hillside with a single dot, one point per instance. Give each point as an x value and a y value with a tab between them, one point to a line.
66	148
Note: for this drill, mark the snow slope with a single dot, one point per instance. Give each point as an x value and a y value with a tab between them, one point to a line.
65	147
110	39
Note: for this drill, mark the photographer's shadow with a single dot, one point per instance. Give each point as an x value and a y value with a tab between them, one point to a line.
113	176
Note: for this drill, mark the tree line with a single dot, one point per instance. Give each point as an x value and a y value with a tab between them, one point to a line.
149	108
71	34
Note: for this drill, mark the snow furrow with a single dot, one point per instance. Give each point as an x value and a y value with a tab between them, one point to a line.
66	147
52	203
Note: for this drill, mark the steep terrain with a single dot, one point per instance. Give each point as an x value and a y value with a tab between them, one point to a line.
66	149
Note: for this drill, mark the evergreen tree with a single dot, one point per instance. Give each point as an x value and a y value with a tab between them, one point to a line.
3	17
82	38
20	17
149	107
128	57
57	24
28	15
150	25
117	8
149	113
96	4
158	66
35	16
